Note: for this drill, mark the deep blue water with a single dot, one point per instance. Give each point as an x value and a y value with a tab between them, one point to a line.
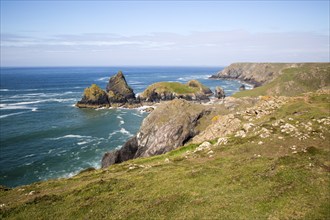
42	134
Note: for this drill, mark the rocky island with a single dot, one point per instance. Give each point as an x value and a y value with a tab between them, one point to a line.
119	94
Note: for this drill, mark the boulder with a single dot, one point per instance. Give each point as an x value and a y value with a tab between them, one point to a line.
219	92
119	91
93	97
169	126
203	89
242	87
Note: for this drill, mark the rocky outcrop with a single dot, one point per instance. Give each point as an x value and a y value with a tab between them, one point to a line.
254	73
163	91
203	89
119	91
242	87
169	126
93	97
219	92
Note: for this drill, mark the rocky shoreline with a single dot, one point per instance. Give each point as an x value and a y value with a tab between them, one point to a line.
180	113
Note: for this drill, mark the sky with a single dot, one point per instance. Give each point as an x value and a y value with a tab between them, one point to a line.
162	33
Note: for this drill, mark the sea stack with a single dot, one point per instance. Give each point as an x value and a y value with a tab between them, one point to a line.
117	94
118	90
93	97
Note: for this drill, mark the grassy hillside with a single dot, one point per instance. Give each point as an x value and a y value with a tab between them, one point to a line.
294	81
174	87
283	176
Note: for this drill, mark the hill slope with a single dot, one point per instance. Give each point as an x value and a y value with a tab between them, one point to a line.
294	81
279	169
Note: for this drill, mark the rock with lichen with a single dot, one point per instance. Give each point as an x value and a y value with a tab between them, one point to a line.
93	97
119	91
165	91
169	126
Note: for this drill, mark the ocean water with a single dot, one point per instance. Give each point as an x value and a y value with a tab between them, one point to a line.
42	134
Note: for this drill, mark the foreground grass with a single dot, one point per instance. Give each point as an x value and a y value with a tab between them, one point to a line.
242	180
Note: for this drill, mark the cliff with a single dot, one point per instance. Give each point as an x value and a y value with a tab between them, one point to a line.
254	73
293	81
169	126
261	152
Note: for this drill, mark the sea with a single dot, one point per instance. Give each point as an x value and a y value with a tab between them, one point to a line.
44	136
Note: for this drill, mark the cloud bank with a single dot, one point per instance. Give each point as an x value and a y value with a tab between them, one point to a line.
197	48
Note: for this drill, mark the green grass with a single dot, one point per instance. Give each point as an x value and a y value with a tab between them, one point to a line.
174	87
233	184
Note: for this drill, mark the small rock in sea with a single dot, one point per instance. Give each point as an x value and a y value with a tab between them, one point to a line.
219	92
242	87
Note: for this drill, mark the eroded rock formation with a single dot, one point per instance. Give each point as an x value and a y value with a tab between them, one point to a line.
169	126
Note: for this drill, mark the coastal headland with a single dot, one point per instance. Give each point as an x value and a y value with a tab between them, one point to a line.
259	154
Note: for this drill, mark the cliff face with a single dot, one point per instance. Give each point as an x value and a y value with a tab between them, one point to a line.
169	126
254	73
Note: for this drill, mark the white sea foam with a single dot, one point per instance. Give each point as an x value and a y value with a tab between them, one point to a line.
118	147
103	79
71	136
187	78
124	131
112	134
121	120
4	90
29	155
102	108
132	82
12	114
83	142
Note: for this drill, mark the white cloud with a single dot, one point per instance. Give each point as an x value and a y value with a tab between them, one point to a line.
196	48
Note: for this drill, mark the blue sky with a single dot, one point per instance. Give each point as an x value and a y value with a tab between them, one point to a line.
179	33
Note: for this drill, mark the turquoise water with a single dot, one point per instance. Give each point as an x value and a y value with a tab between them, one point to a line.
42	134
